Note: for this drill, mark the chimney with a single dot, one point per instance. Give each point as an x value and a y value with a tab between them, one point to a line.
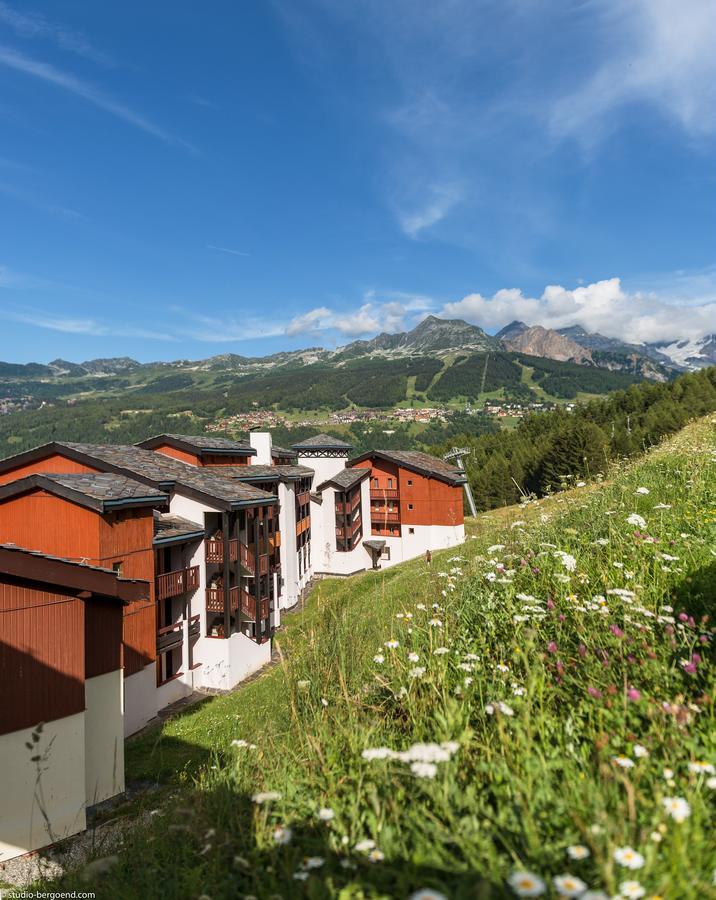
261	442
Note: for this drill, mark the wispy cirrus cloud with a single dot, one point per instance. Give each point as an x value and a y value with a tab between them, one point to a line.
30	198
227	250
35	25
49	74
472	109
82	325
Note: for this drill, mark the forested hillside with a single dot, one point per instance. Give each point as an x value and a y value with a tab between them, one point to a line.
548	450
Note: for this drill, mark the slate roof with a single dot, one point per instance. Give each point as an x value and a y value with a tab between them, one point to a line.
346	478
170	529
277	452
267	473
201	443
154	469
99	491
417	461
322	442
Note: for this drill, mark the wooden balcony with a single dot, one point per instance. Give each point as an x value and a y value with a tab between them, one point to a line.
194	627
303	498
379	517
214	548
215	599
171	584
215	602
169	637
303	525
384	494
248	606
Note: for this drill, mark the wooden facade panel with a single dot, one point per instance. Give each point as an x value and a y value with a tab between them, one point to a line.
42	666
54	462
140	636
41	521
176	453
433	502
224	459
103	636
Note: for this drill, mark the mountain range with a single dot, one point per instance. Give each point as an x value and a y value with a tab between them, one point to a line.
432	336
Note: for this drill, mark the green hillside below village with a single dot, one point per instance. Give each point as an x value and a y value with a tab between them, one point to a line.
530	715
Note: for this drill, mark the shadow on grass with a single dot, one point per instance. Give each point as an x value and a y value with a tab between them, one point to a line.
217	843
695	594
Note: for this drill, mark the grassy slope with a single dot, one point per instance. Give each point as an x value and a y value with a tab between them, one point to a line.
522	787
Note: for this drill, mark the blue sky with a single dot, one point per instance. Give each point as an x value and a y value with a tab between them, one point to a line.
179	180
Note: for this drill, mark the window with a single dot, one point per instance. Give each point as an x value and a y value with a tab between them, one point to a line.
117	568
386	553
410	505
410	482
411	531
375	482
390	483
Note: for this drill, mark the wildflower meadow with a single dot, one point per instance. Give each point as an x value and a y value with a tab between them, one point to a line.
532	715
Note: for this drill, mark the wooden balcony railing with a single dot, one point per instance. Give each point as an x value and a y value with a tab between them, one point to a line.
215	602
215	599
248	606
169	637
171	584
303	498
379	516
384	494
214	548
194	626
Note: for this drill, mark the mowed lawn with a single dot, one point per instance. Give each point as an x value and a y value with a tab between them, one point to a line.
530	715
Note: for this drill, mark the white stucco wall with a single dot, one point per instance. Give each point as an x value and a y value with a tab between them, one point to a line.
324	466
326	559
60	791
425	537
104	736
262	443
227	661
289	563
140	699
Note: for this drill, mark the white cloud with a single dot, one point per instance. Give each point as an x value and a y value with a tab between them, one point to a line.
68	82
659	52
226	250
83	325
313	320
35	25
604	307
438	201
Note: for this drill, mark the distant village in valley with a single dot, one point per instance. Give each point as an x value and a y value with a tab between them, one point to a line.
262	418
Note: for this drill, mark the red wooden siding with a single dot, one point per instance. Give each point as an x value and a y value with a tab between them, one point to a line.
183	455
41	521
53	462
103	637
434	502
42	664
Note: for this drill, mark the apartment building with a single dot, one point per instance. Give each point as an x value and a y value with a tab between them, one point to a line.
416	503
206	543
61	716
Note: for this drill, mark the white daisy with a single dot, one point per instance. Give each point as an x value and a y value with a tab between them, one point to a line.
677	808
631	890
577	851
628	857
569	885
525	884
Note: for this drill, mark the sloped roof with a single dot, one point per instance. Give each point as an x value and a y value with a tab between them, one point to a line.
257	472
101	491
43	567
281	451
417	461
346	478
153	469
200	443
322	442
169	529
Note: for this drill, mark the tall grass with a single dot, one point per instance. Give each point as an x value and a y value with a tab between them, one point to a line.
530	715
